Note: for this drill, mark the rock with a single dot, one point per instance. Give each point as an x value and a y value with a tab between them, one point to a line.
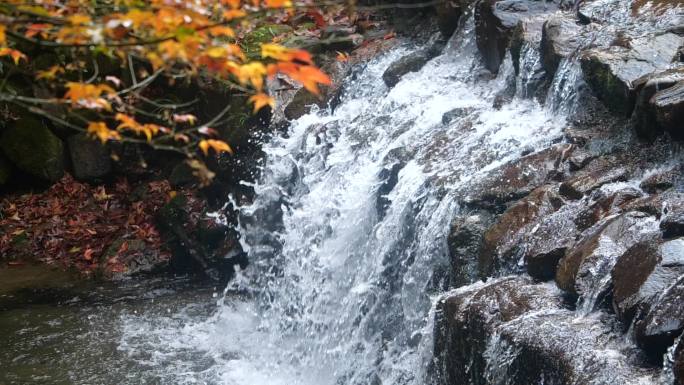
668	106
464	242
182	174
678	364
611	72
560	39
647	124
664	321
672	222
90	158
511	331
603	202
600	171
448	14
524	48
494	22
467	318
34	149
547	242
5	170
585	270
412	62
298	102
518	178
251	43
455	114
643	273
662	179
499	252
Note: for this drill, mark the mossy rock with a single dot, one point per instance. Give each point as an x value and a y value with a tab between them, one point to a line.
251	44
5	170
34	149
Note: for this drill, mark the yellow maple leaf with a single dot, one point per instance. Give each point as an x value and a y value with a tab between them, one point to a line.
79	19
217	145
261	100
13	53
3	37
253	73
100	131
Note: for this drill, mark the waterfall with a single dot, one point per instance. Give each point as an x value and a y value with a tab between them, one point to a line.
347	233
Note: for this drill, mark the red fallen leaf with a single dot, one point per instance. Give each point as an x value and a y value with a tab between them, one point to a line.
88	254
390	35
123	248
317	17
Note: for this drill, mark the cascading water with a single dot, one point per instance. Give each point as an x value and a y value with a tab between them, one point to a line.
347	234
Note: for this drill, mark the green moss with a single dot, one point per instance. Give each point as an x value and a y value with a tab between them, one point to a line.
251	44
34	149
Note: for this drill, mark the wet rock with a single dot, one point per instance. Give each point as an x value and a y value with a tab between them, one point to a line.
646	120
455	114
412	62
524	48
668	107
678	364
90	159
464	242
603	202
34	149
500	246
467	318
301	103
663	322
672	221
643	273
585	270
448	14
547	242
494	22
611	72
662	180
599	172
557	347
518	178
559	40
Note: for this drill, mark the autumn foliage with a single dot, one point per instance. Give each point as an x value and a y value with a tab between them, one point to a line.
151	41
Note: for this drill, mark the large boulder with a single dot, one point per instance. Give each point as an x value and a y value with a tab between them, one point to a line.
672	221
34	149
611	72
560	39
585	269
90	158
467	318
512	331
494	22
501	244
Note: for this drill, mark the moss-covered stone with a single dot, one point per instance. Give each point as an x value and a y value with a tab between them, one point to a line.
91	160
34	149
251	44
5	170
